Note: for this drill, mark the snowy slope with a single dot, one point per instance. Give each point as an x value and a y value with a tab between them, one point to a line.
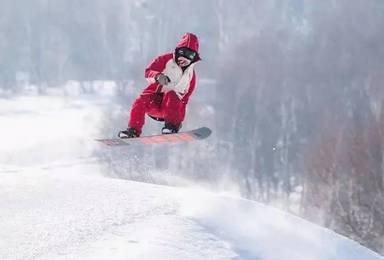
48	216
62	214
56	203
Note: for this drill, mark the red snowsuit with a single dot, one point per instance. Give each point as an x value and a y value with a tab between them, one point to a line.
168	102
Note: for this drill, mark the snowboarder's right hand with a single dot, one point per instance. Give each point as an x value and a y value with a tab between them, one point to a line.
162	79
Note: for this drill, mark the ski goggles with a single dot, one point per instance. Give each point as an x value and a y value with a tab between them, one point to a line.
186	53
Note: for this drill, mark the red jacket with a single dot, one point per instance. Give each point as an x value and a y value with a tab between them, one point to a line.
166	64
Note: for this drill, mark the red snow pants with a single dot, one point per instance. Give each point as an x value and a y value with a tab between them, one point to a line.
161	105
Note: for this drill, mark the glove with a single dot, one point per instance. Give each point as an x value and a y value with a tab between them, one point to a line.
162	79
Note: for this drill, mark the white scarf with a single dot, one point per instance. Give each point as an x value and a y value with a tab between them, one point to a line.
180	81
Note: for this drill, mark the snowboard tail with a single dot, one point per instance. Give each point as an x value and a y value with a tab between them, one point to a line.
188	136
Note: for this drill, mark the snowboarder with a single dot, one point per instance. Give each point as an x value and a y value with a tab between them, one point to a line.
172	81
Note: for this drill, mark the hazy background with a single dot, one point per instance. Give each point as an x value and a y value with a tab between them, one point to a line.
293	91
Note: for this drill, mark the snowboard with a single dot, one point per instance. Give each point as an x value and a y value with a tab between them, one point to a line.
181	137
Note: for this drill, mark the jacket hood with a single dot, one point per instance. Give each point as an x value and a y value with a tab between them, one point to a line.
190	41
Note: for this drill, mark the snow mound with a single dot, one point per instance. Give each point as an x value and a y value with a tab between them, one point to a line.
60	213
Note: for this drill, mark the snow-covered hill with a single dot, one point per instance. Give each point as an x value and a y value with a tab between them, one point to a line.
57	203
61	213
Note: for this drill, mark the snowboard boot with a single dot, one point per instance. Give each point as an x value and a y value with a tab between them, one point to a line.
169	128
129	133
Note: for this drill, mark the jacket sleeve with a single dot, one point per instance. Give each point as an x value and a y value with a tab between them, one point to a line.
156	67
191	88
185	99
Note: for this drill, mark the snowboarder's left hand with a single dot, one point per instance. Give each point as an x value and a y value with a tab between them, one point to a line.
162	79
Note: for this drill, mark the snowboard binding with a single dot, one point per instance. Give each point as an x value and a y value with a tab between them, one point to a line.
129	133
170	129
